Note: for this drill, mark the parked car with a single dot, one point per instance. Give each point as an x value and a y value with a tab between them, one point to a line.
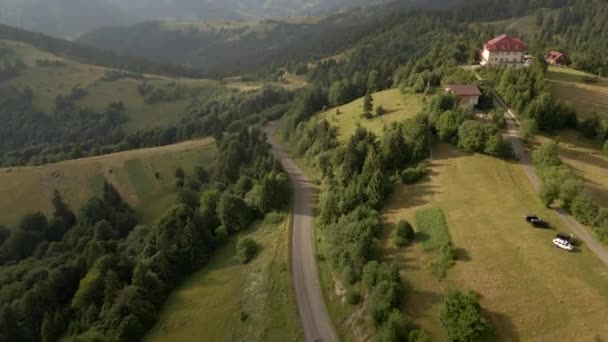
565	237
531	217
536	221
539	223
563	244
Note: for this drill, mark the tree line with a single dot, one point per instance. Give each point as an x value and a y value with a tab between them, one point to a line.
28	137
97	275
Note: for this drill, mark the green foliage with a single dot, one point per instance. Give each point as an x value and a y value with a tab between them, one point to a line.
472	136
380	111
529	128
462	318
547	155
404	234
246	248
368	104
394	329
606	147
412	175
233	213
432	225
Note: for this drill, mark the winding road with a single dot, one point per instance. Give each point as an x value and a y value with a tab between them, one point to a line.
314	317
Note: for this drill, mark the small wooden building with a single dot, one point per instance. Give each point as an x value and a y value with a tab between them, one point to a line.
468	94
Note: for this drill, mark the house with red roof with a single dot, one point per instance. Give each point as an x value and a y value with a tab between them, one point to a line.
503	50
557	58
467	94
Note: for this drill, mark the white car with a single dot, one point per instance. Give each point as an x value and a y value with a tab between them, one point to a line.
563	244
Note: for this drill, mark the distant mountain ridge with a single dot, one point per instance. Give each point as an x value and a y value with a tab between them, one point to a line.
72	18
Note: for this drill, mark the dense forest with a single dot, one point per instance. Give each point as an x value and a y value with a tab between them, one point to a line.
90	55
28	137
97	275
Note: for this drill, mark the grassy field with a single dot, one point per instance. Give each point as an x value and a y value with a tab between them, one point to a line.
398	107
568	85
49	81
586	159
132	173
531	290
208	305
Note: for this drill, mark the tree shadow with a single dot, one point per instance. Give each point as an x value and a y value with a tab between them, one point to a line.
503	327
421	237
463	255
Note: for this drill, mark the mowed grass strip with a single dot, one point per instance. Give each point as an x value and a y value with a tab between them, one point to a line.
133	173
433	225
230	301
588	98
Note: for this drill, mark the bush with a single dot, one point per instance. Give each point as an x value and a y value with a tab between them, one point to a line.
380	111
394	329
529	128
606	147
472	136
353	297
444	260
383	299
413	174
462	317
404	234
246	248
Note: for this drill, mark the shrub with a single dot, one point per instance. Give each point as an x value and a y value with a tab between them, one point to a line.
353	297
584	210
529	128
380	111
472	136
404	234
444	260
606	147
413	174
246	248
462	317
395	328
383	299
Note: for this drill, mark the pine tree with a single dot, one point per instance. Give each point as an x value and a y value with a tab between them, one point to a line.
368	105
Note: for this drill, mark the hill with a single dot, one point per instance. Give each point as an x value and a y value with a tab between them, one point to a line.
62	18
133	174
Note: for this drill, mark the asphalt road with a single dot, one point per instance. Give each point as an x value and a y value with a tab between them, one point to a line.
314	318
513	135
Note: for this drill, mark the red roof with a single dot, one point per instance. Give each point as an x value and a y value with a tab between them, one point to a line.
505	43
463	90
554	55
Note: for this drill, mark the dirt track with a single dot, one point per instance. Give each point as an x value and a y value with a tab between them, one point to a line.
314	318
514	137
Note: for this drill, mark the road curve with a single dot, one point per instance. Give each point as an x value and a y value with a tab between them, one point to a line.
314	317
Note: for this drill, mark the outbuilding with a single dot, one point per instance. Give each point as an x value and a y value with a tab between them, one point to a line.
557	58
468	94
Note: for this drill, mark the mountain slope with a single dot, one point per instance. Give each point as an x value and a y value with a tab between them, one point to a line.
62	18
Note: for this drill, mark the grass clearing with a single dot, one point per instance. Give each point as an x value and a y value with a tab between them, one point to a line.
586	159
398	107
568	85
208	305
100	93
131	172
531	290
525	25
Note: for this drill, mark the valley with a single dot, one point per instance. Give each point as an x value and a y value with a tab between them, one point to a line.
293	170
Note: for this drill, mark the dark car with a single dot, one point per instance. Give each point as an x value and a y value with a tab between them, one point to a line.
531	217
539	223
